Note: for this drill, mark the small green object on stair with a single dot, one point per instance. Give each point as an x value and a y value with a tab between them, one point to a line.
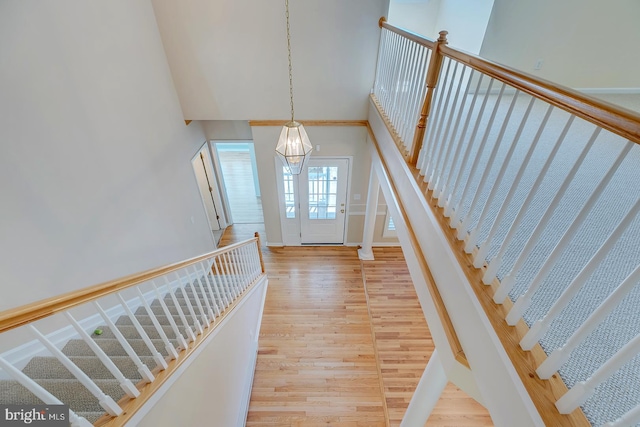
98	332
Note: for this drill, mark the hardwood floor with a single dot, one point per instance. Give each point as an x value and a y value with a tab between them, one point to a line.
318	364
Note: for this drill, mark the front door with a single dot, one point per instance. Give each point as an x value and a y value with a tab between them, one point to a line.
323	198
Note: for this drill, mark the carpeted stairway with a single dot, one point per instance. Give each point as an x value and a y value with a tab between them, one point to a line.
55	378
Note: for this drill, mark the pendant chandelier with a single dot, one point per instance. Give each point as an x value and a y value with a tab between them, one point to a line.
293	145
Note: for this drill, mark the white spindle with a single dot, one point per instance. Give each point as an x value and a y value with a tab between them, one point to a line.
559	356
236	270
419	93
439	122
400	102
207	294
169	316
455	219
433	122
171	350
142	368
522	303
473	237
230	274
448	185
126	384
446	144
439	187
379	64
107	403
580	392
510	279
215	292
191	335
495	264
228	290
479	259
238	261
159	358
196	296
187	302
218	280
631	418
541	326
40	392
412	90
404	82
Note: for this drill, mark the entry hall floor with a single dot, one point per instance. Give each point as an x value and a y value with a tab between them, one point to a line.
327	358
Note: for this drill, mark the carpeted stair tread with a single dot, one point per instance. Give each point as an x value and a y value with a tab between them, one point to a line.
111	347
71	392
130	332
51	368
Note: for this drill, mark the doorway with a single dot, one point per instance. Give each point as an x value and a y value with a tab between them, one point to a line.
239	177
313	204
209	191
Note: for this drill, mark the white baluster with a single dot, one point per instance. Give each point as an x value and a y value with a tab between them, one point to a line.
439	120
218	280
456	218
171	350
452	206
236	272
206	293
187	328
126	384
473	237
559	356
142	368
418	93
541	326
228	288
580	392
448	185
631	418
510	279
522	303
447	117
409	124
167	313
495	264
376	80
40	392
450	135
231	275
159	358
107	403
429	141
479	259
398	102
215	292
203	314
190	309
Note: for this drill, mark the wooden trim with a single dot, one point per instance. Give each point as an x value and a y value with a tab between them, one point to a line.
408	34
447	325
309	122
394	134
186	122
616	119
257	236
132	405
25	314
543	393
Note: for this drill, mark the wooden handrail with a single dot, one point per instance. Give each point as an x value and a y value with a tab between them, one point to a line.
28	313
614	118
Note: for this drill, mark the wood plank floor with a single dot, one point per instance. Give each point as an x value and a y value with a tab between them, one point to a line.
318	364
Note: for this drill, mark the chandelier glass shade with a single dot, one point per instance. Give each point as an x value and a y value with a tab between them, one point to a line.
293	146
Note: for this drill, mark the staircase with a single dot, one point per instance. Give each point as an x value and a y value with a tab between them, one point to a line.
51	374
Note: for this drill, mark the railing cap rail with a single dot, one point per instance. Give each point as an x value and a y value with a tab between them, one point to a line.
28	313
617	119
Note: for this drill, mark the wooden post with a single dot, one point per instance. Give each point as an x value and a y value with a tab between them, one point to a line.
432	80
257	236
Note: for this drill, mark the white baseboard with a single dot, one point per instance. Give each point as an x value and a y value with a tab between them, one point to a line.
376	244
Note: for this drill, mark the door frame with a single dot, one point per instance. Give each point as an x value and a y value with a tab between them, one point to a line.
286	223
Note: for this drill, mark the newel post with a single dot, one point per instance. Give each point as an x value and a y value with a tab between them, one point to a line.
432	80
259	243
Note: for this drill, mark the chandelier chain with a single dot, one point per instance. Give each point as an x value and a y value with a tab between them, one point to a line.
286	5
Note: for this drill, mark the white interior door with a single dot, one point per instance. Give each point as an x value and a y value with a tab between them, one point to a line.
323	198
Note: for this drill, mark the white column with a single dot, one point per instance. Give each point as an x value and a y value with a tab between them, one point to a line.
427	394
366	252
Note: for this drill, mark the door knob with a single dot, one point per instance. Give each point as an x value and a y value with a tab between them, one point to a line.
341	210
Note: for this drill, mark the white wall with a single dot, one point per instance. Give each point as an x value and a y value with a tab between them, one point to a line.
465	20
229	58
583	43
95	171
212	390
227	130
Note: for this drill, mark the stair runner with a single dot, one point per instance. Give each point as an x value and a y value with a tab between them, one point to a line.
55	378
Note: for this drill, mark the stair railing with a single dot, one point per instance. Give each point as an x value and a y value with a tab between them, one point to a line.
210	285
520	172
